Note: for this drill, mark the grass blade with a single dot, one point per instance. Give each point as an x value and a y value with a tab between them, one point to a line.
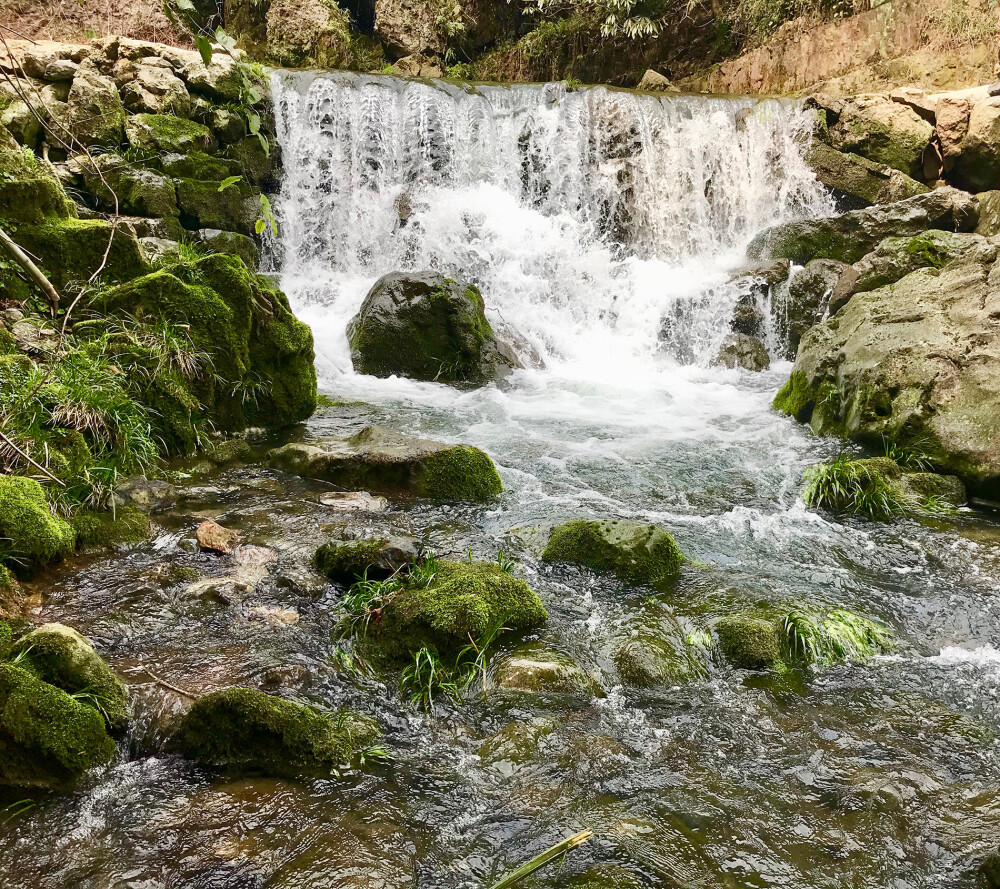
544	858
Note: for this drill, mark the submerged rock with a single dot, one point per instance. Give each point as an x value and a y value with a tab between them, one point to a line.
464	600
653	651
94	528
850	236
353	501
376	559
740	350
245	728
60	656
915	363
379	459
47	738
534	669
427	327
748	642
36	537
635	552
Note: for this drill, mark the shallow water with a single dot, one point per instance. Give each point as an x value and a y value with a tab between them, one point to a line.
882	774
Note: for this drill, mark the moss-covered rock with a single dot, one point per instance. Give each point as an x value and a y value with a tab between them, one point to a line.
245	728
885	132
426	327
36	537
534	669
376	559
857	182
47	739
377	459
197	165
894	258
203	205
138	191
653	650
748	642
6	633
95	528
28	190
635	552
232	450
464	599
164	132
60	656
93	112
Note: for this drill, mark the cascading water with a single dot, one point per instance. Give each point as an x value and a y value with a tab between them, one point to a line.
595	221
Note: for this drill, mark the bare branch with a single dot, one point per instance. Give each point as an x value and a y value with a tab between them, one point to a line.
44	284
37	466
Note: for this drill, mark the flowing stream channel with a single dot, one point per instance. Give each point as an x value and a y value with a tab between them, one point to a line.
604	227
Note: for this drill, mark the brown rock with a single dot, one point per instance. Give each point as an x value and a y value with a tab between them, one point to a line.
212	536
977	168
952	126
418	65
654	82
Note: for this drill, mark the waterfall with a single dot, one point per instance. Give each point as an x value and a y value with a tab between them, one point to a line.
590	219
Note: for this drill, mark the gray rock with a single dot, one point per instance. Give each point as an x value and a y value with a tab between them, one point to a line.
654	82
156	89
806	300
989	214
94	111
534	669
740	350
148	495
857	182
895	258
883	131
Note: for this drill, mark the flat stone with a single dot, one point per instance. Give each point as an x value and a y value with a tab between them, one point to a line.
353	501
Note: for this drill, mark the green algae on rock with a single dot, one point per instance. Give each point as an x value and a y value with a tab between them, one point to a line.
531	668
99	529
36	537
378	459
463	600
748	642
635	552
376	559
245	728
61	657
47	738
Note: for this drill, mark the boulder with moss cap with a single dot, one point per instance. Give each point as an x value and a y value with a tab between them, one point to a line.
378	459
60	656
463	600
748	642
247	729
376	558
427	327
636	552
36	536
47	738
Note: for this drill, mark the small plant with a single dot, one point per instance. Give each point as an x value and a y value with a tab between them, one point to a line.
699	639
842	635
844	485
923	248
539	861
506	563
914	456
422	572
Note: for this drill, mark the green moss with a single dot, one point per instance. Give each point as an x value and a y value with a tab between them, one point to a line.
635	552
796	397
164	132
230	451
99	529
73	249
246	728
127	187
28	190
198	165
748	642
345	562
47	739
6	633
36	536
464	599
988	873
460	473
203	205
257	165
60	656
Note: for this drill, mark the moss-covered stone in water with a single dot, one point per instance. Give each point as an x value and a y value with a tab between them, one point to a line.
47	739
635	552
203	205
460	473
375	559
96	529
795	398
246	728
60	656
230	451
748	642
465	599
36	536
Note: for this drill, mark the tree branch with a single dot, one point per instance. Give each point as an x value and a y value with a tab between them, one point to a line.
44	284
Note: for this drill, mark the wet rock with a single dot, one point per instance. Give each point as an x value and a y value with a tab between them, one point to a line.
748	642
895	258
47	738
923	486
850	236
740	350
652	651
60	656
100	528
245	728
419	65
219	241
914	363
464	600
212	536
204	206
379	459
273	615
654	82
376	559
534	669
251	564
516	744
36	536
857	182
233	450
883	131
807	299
353	501
427	327
635	552
147	495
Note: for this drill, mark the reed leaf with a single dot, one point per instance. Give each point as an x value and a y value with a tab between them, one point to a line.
539	861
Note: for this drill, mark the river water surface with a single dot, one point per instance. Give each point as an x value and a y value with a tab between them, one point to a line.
604	227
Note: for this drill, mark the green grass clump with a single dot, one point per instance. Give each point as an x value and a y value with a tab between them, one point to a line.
841	636
856	487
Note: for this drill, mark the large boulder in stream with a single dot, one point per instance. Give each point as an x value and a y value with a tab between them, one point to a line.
633	551
47	738
850	236
427	327
916	363
245	728
60	656
377	459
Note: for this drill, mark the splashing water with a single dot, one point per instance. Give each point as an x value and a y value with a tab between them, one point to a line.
588	219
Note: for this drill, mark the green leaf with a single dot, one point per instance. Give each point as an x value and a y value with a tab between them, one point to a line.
264	144
224	40
253	96
253	122
259	226
232	180
186	5
205	48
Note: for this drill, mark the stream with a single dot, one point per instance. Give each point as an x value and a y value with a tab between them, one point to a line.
603	226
